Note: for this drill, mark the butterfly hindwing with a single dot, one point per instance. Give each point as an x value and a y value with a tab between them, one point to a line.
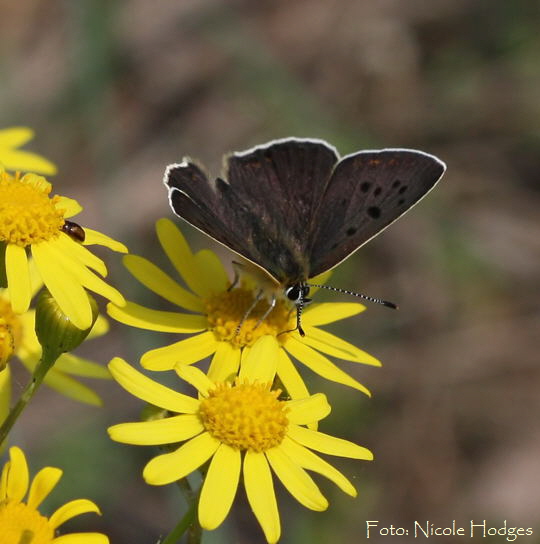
366	192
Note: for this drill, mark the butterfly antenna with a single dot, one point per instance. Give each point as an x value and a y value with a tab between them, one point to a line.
359	295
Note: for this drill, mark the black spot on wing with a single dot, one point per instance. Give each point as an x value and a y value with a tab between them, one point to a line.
374	212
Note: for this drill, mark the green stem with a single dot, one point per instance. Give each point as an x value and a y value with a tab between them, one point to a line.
48	358
189	523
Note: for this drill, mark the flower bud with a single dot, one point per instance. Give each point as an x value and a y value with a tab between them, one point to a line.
54	329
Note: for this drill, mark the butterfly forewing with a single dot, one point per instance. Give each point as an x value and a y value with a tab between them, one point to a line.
263	209
366	192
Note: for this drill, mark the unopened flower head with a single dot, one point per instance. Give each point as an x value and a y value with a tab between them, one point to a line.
20	520
18	341
226	320
242	427
33	221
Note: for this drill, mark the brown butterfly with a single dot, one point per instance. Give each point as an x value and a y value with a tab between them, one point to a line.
295	209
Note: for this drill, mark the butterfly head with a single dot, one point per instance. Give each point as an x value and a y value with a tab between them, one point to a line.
298	294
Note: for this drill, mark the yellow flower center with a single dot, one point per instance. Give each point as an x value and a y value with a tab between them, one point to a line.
27	214
20	524
245	416
10	332
225	311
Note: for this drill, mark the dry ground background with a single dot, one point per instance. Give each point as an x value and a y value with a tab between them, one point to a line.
117	90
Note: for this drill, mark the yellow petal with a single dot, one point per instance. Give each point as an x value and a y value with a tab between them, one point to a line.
328	444
321	365
71	265
225	363
95	237
18	278
150	391
25	161
15	136
73	364
83	255
100	327
5	396
160	431
308	410
260	493
335	346
179	253
70	206
219	487
18	477
310	461
161	283
290	377
261	362
38	182
328	312
72	509
81	538
170	467
195	377
211	267
67	386
186	352
66	290
296	480
156	320
42	484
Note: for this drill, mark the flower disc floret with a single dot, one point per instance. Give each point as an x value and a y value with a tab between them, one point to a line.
27	214
22	524
246	416
226	313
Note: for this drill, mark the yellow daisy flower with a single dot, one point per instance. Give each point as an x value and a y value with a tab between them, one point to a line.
13	158
31	220
21	522
218	308
18	338
242	427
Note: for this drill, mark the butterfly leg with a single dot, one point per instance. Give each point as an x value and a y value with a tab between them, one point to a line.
247	313
299	307
268	310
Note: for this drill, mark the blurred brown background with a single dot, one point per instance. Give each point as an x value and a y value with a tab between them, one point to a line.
117	90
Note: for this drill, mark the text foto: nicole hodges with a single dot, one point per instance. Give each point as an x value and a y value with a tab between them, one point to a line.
427	529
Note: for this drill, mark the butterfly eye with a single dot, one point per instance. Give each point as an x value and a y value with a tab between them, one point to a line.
296	292
293	292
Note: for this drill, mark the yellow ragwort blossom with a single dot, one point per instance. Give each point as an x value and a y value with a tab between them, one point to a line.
20	520
34	222
243	428
217	308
